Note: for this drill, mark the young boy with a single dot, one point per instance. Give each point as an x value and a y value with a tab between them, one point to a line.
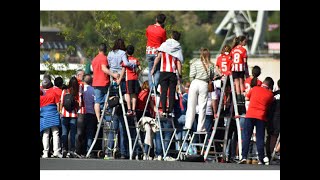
132	83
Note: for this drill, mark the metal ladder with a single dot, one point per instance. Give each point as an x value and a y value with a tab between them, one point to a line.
158	120
227	124
103	114
274	150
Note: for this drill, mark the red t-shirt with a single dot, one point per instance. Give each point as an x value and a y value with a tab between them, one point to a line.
156	35
224	63
131	74
56	91
238	54
49	98
142	99
168	63
99	77
247	83
260	100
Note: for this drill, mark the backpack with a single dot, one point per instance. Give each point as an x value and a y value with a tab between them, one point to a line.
69	102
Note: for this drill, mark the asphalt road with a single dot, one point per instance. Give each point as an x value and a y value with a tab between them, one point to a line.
100	164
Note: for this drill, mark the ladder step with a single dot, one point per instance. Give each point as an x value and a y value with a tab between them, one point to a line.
219	128
217	140
196	144
200	132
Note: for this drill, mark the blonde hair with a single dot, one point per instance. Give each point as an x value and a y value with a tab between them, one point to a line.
205	55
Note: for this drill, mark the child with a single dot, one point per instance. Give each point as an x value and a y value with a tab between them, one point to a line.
170	55
132	83
239	58
223	64
252	81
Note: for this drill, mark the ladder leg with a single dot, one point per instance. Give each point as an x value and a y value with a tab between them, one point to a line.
184	141
158	115
216	120
125	122
236	114
274	149
99	125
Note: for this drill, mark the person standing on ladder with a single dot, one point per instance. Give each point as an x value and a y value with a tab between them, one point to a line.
239	61
260	101
170	54
101	80
201	72
156	34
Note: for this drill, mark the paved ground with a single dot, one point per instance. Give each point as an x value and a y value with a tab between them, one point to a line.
100	164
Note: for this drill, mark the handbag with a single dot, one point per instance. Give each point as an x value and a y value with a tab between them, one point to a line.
113	101
210	84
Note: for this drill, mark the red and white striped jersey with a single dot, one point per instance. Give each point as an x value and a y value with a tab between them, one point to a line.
64	112
168	63
238	54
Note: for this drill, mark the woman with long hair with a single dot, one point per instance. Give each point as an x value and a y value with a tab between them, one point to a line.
69	118
239	65
201	72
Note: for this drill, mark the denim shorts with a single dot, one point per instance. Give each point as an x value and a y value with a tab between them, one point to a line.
100	93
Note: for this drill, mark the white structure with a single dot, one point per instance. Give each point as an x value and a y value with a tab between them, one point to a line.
237	23
60	67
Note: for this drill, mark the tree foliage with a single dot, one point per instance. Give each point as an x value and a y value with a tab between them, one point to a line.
87	29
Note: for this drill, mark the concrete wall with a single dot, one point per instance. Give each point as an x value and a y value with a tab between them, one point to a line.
269	67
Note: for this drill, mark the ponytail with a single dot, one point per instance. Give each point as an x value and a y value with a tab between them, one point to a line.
253	82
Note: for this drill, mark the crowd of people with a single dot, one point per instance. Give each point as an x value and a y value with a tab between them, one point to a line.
71	112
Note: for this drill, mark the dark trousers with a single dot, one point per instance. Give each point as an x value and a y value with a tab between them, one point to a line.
80	137
249	123
167	80
271	143
86	128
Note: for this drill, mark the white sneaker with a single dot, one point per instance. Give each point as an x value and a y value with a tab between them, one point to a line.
45	155
57	155
158	158
169	158
145	157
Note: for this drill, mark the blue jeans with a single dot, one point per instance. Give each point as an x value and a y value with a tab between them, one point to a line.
166	137
180	132
69	124
119	127
248	130
150	58
208	123
242	120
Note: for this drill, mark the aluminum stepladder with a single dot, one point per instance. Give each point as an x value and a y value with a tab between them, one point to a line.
181	155
103	114
158	120
161	129
226	128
